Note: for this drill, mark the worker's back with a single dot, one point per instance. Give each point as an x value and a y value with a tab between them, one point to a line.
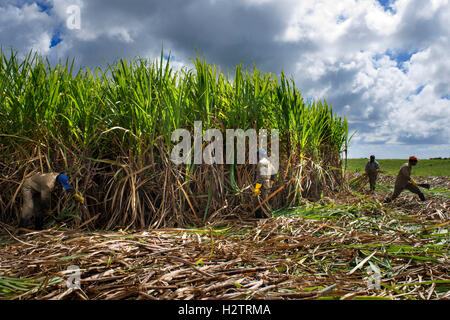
265	170
39	182
403	176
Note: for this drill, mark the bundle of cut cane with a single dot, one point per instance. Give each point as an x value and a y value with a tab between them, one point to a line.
359	182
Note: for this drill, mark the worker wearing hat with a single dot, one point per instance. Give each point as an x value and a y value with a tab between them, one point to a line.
36	192
265	174
372	169
404	181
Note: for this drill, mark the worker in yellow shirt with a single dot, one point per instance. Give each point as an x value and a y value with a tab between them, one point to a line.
404	181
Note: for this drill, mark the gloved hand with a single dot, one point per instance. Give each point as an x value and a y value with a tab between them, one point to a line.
413	182
78	197
257	190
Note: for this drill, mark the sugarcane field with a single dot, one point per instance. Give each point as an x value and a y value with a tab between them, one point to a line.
139	181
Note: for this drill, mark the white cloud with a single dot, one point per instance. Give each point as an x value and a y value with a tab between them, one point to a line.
25	28
382	91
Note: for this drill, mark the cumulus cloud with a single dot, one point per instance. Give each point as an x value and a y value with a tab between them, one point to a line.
382	63
386	69
25	28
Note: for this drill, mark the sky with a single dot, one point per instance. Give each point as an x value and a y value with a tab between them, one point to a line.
384	64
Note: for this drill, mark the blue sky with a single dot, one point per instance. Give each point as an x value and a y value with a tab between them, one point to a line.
387	5
44	6
382	63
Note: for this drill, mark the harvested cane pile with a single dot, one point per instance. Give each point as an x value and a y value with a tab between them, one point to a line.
353	249
358	183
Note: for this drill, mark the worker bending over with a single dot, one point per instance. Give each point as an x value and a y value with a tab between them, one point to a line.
36	192
265	176
404	181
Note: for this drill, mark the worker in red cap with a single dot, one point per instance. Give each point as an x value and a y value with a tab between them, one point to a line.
36	192
404	181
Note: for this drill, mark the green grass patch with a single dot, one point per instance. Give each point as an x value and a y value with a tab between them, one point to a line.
442	192
76	256
425	168
11	287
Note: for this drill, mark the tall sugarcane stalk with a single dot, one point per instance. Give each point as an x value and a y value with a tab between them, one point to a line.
111	127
